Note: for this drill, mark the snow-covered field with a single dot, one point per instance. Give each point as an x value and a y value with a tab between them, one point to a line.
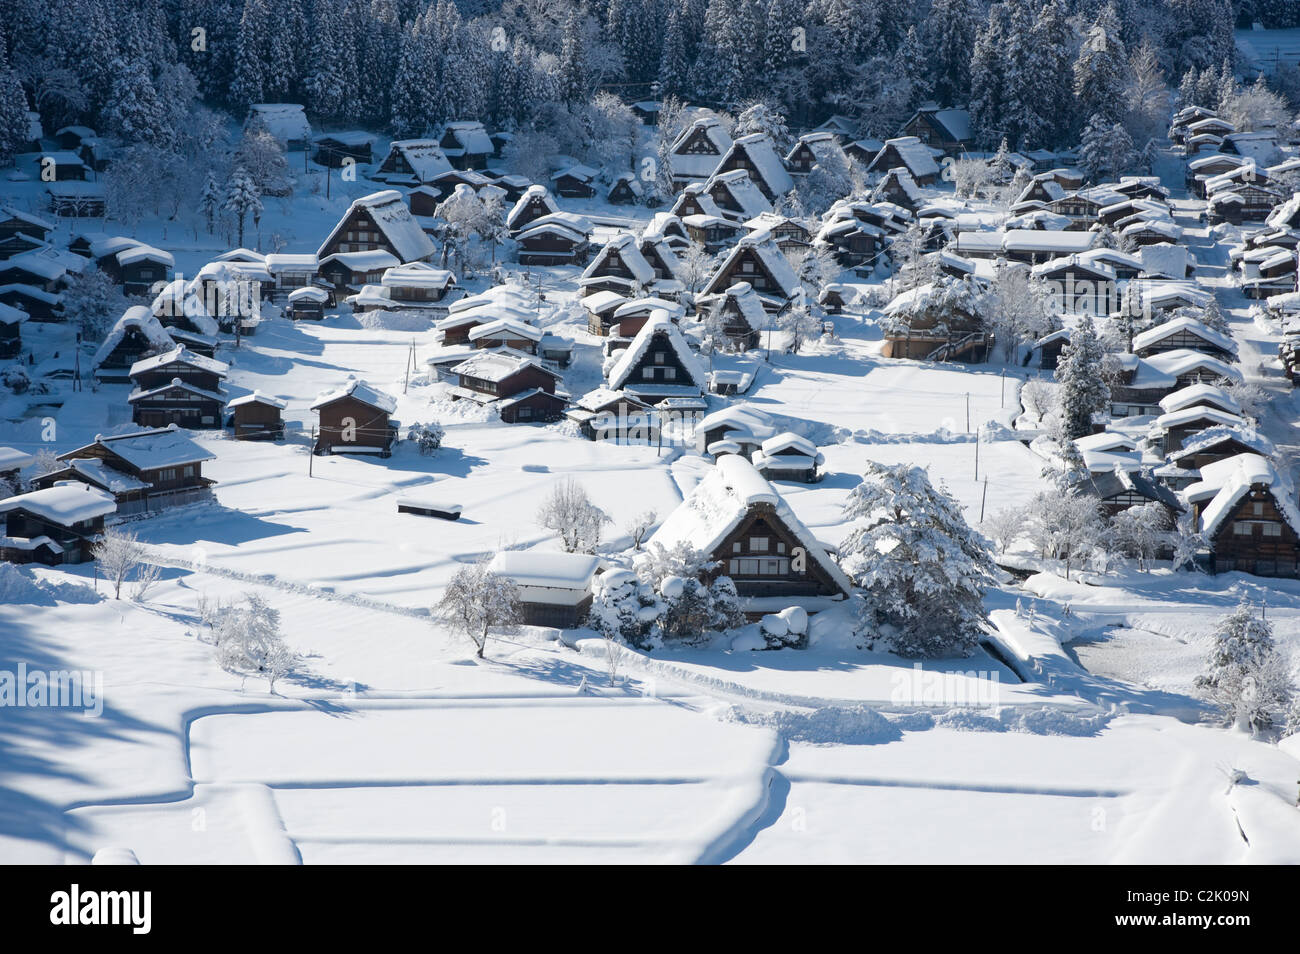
1080	740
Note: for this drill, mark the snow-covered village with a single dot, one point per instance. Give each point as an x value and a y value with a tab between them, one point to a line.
649	431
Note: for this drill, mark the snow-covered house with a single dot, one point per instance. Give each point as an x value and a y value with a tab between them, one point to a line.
756	155
535	203
554	588
177	387
1193	367
17	222
1247	513
617	266
506	333
133	336
735	429
379	222
910	153
418	286
287	122
1079	286
306	304
1213	444
626	190
788	456
355	419
256	417
58	524
602	414
658	365
1123	487
937	321
736	195
560	238
757	260
466	144
145	471
11	333
291	271
695	154
948	130
518	385
744	525
742	313
811	149
1184	332
575	182
336	149
792	235
900	188
1173	428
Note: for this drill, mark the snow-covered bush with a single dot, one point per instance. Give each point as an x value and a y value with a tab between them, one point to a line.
624	608
1140	532
16	378
1065	526
924	569
1246	678
786	629
427	437
118	553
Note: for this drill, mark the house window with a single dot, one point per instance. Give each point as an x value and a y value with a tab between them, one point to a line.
647	373
525	413
758	544
169	474
659	357
670	374
735	547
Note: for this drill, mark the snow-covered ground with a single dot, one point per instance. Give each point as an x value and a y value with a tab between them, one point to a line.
1074	738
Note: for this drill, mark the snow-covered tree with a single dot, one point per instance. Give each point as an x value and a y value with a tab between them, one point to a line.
925	571
697	266
798	322
1106	148
1039	398
92	302
1004	527
118	553
263	158
640	526
1065	526
13	112
568	511
477	601
761	117
249	642
1246	677
950	38
1141	532
1256	107
1101	71
242	199
1083	389
210	201
1024	311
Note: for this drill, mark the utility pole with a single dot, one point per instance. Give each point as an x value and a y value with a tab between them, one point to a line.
1004	387
983	497
311	451
977	458
967	412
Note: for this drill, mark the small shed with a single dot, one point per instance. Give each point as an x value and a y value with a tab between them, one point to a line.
429	508
256	417
308	303
554	588
626	190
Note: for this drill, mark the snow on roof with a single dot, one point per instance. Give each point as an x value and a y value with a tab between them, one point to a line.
743	191
915	155
10	315
9	212
369	260
358	389
285	121
629	251
1184	324
658	325
1106	441
257	397
787	442
287	262
1073	262
180	355
1212	436
140	394
1231	479
700	165
602	301
955	121
471	138
579	172
539	192
137	318
646	306
1282	215
66	503
721	501
498	365
149	449
13	459
418	275
766	161
390	213
507	328
1199	393
141	253
106	476
1030	240
765	247
747	301
1183	360
547	570
1197	413
348	137
241	255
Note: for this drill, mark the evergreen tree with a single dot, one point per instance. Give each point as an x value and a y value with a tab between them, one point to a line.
326	83
988	83
13	109
135	112
1101	70
573	62
242	199
925	571
1083	388
249	82
950	35
409	111
674	66
1050	52
210	201
1107	148
1246	677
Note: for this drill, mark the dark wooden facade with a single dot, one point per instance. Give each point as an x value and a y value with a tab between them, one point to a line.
757	555
347	423
1255	538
